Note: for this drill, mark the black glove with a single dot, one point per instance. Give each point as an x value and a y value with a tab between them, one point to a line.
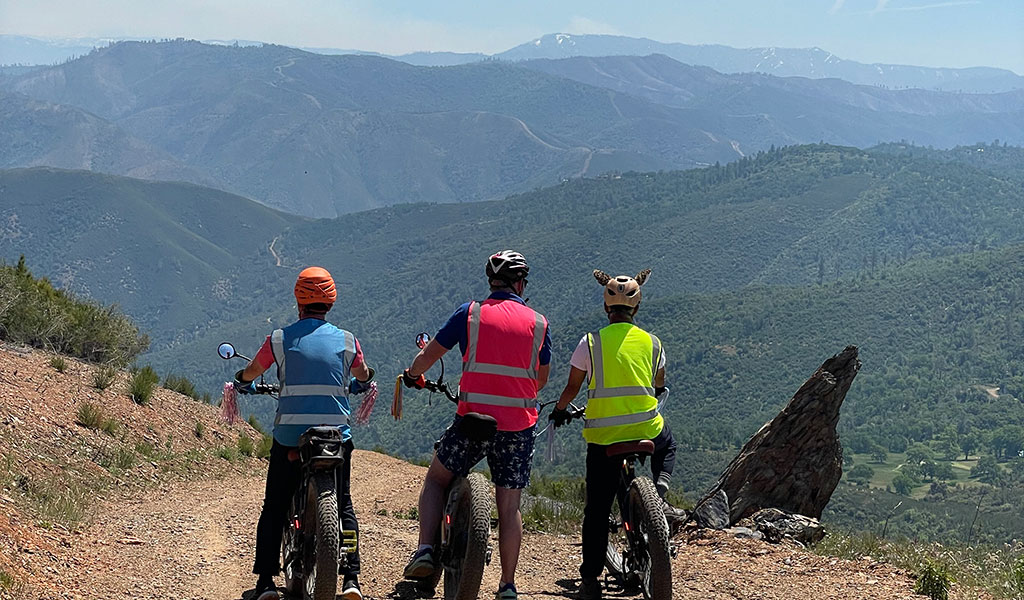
413	382
243	386
658	391
559	417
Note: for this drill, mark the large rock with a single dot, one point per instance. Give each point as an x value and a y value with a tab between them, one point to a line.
794	461
775	525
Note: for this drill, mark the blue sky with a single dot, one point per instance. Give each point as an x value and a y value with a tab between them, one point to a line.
954	33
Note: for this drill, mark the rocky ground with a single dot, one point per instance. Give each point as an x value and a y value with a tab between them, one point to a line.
188	533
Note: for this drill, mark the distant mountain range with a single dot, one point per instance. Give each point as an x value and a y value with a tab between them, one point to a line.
813	63
324	135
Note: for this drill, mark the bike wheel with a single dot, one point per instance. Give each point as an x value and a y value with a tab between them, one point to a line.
290	540
322	579
649	540
469	504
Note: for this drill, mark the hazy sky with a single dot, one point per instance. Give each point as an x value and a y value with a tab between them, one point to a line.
953	33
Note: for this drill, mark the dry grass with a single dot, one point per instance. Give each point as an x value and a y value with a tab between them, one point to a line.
998	570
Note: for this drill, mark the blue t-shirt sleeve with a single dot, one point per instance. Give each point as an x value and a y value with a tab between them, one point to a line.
545	348
454	331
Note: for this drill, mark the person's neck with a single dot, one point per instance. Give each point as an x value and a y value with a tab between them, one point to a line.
617	317
321	316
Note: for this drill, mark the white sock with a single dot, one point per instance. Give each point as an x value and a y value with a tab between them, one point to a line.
424	546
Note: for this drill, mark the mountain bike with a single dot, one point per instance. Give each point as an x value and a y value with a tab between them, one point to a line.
638	554
313	545
465	532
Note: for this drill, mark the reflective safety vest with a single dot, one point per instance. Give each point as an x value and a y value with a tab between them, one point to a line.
499	367
313	360
621	404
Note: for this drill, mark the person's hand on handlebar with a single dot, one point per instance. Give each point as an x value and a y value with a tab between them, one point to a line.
559	417
242	386
414	382
360	387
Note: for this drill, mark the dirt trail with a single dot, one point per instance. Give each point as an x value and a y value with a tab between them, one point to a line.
195	541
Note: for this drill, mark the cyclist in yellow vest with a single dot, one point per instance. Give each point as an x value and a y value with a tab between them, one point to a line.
626	369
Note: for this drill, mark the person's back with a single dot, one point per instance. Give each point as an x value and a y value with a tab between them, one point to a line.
318	366
624	367
506	351
314	359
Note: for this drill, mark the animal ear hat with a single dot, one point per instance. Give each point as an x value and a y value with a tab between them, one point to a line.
622	290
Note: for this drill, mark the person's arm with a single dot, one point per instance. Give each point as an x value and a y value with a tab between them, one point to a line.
659	378
260	363
572	387
429	355
359	368
542	376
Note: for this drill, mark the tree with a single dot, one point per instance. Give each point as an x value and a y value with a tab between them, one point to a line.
919	453
861	474
969	443
987	470
943	471
904	484
878	454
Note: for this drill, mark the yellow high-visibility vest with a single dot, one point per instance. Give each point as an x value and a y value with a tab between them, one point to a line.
621	405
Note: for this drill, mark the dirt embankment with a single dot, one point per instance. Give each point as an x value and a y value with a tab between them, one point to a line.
187	532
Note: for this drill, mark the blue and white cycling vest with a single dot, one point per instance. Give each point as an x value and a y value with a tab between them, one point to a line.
313	361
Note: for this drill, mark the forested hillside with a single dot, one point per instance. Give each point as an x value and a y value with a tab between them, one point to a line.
172	255
324	135
916	260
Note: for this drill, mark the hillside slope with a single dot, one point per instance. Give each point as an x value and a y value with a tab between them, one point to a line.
168	253
57	463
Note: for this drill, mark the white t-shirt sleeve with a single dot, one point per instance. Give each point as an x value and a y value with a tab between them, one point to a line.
661	360
581	356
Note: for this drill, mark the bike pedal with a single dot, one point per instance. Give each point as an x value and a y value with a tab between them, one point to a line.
349	541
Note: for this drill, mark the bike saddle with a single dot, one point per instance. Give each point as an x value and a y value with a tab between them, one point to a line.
478	427
330	435
645	447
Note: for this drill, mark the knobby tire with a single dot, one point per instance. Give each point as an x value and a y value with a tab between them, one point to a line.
471	530
324	497
648	517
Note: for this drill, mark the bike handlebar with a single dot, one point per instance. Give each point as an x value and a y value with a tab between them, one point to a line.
259	388
437	386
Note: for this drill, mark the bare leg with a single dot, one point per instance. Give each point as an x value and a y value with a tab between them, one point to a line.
510	531
432	500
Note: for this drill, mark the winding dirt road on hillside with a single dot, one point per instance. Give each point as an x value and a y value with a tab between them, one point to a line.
194	541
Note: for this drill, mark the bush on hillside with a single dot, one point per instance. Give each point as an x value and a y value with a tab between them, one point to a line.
934	582
142	384
103	377
58	363
35	313
181	385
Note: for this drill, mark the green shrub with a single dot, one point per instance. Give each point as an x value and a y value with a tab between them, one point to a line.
228	453
117	460
58	362
142	384
255	424
39	315
245	445
934	581
89	416
6	581
263	448
207	399
199	429
110	427
181	385
1017	575
103	377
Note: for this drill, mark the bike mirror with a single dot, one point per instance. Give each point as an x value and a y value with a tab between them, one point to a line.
422	340
226	351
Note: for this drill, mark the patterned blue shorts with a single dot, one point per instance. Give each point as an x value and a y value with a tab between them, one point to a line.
509	454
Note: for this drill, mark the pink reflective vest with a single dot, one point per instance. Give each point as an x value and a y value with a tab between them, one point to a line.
499	367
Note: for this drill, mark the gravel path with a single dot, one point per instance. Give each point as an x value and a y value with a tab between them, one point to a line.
195	541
